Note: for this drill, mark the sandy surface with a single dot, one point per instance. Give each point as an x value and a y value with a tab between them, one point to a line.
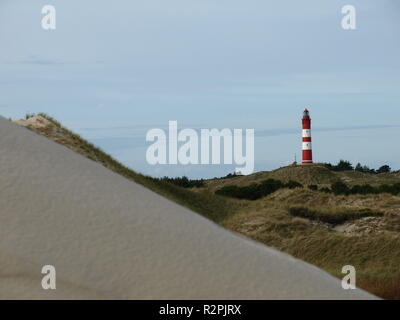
111	238
35	121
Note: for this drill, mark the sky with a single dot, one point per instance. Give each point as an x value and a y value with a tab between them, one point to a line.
112	70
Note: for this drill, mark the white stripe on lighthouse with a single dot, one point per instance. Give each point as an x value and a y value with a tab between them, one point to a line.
306	133
307	145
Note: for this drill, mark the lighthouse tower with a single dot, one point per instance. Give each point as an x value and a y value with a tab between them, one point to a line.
307	150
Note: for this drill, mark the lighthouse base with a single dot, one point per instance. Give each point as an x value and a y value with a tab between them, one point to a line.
307	156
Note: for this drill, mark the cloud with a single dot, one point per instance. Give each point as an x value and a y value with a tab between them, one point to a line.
35	60
41	61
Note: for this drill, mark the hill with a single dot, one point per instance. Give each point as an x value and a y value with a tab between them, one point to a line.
324	229
316	174
111	238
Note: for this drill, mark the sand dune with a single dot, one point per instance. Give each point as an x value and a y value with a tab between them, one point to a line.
111	238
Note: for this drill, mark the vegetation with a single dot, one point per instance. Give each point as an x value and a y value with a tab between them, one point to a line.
340	188
29	115
184	182
256	191
230	176
341	166
304	222
293	184
344	165
333	215
278	221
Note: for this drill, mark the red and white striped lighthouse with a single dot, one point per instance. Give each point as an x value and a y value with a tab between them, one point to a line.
307	150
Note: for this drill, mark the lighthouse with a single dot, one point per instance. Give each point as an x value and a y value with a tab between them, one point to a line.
307	150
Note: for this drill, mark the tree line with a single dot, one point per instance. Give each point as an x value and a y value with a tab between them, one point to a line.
344	165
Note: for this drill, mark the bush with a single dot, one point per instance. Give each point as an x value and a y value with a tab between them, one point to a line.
313	187
293	184
364	189
340	187
253	191
342	165
334	217
184	182
384	169
392	189
231	175
250	192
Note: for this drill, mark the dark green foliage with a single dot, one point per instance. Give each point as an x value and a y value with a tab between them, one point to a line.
269	186
335	217
342	165
253	191
293	184
364	169
313	187
384	169
329	166
230	176
359	167
185	182
392	189
340	187
363	189
250	192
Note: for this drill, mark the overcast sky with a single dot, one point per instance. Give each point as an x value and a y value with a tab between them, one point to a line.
114	69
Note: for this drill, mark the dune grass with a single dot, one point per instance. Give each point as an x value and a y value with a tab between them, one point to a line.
333	215
375	256
288	219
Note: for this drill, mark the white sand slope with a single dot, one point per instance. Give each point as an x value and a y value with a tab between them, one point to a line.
111	238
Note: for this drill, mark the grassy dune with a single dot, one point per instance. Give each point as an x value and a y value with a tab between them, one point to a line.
316	174
373	248
330	231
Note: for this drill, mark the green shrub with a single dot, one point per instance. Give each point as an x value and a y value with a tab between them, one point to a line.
293	184
340	187
253	191
384	169
342	165
363	189
336	216
392	189
185	182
